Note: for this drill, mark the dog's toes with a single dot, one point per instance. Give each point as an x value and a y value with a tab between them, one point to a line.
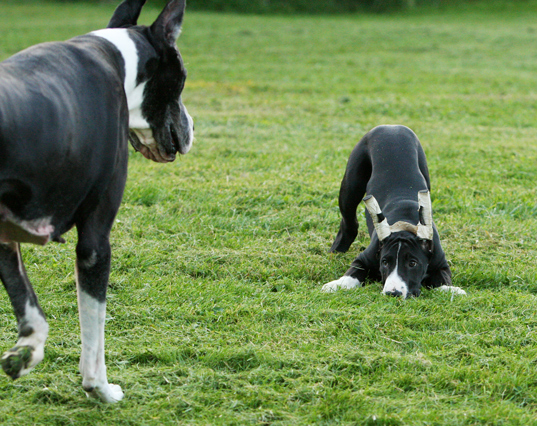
452	289
331	287
16	361
109	393
345	282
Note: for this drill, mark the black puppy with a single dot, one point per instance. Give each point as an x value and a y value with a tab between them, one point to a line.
389	165
65	113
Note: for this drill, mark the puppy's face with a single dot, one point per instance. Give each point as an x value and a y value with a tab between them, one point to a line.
404	259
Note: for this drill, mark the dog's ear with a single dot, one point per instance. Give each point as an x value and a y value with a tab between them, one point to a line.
427	246
126	14
167	27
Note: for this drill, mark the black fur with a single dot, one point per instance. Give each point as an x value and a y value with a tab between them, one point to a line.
63	154
389	163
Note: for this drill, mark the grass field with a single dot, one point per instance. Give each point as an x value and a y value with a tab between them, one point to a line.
215	310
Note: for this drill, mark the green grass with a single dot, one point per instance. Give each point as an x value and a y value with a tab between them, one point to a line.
215	310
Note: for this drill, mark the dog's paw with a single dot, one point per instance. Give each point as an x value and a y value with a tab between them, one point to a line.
452	290
346	283
17	361
109	393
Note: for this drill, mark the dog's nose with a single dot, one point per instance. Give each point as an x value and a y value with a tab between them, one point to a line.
394	293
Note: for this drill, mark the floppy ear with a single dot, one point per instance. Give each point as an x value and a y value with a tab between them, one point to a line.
167	27
126	13
427	246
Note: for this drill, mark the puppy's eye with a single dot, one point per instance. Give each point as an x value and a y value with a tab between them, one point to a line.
412	264
384	262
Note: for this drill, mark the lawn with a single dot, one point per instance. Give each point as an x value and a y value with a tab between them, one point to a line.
215	315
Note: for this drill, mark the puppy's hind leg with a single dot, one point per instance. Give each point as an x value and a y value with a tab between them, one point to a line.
353	187
33	328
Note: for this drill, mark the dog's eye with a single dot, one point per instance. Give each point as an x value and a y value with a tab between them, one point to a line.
412	264
384	262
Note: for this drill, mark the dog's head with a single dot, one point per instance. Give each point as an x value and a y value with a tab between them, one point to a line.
404	249
404	259
159	123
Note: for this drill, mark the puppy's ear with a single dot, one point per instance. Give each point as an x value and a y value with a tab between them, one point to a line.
381	246
167	27
126	14
427	246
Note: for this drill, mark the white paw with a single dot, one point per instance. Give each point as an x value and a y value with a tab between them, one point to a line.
330	287
451	289
345	282
108	393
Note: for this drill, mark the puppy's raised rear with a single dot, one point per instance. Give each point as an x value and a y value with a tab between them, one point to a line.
405	251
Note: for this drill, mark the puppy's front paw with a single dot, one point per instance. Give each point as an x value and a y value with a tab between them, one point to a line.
345	282
452	289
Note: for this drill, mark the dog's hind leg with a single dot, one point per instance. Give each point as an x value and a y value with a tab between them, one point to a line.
33	328
353	187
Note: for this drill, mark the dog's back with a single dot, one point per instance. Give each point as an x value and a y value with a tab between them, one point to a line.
390	164
398	163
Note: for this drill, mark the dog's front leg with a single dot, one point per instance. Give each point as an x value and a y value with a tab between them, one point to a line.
33	328
93	269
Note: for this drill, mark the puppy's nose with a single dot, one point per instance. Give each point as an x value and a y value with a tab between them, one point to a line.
394	293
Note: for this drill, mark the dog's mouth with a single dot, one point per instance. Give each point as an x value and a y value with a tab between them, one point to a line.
143	141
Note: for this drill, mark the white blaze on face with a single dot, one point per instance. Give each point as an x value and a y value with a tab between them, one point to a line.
119	37
394	282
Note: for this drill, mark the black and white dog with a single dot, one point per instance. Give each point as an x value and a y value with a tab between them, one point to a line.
389	165
65	113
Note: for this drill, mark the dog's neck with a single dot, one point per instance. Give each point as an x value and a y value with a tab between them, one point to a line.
134	90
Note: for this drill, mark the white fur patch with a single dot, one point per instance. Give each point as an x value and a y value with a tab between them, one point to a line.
345	282
92	364
190	130
451	289
394	282
136	119
36	340
119	37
